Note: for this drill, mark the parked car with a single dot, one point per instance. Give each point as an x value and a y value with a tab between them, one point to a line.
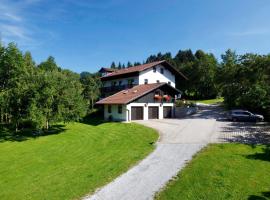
244	115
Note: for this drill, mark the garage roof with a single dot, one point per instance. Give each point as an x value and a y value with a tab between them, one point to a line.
129	95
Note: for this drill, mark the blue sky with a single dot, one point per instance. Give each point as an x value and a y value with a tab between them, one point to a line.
85	35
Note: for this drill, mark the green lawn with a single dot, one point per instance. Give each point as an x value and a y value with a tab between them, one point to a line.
210	101
223	171
72	163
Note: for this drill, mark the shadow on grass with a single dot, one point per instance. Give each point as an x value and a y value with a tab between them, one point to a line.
265	156
264	196
25	134
94	119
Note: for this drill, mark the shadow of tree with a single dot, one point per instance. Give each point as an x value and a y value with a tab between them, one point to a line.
94	119
264	196
246	132
265	156
25	134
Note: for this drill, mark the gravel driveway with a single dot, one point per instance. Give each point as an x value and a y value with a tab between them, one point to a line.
179	140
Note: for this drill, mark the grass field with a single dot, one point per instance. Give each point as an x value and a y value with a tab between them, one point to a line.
223	171
210	101
72	163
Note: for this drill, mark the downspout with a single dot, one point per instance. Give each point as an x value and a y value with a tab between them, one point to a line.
127	115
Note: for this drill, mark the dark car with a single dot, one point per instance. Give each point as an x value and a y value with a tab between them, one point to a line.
244	116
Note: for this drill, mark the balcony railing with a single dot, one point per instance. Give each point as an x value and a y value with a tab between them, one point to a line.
116	88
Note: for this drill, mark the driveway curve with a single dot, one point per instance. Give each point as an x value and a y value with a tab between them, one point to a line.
179	140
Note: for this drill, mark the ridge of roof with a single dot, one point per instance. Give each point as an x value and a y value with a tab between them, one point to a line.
140	68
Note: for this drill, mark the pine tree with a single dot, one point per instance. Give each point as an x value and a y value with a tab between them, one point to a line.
119	65
113	66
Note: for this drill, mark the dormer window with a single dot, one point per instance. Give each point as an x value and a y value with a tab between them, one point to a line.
161	70
154	69
145	81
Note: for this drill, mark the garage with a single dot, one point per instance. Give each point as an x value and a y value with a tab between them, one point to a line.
136	113
167	112
152	112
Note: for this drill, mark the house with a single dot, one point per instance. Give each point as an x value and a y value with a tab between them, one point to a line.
140	92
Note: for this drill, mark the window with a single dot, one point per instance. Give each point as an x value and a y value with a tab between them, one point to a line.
157	81
145	81
154	69
113	83
169	82
120	83
120	109
109	109
161	70
130	82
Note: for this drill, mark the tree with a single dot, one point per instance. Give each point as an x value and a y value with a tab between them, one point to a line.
119	66
91	89
49	64
129	64
136	63
113	66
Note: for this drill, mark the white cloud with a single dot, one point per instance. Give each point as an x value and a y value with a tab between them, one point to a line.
14	26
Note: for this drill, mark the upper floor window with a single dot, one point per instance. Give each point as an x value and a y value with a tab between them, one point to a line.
157	81
161	70
109	109
114	83
130	82
120	83
169	82
120	110
145	81
154	69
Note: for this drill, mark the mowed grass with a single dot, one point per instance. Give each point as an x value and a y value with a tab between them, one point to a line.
73	163
223	171
210	101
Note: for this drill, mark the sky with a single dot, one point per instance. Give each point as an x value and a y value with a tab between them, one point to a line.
84	35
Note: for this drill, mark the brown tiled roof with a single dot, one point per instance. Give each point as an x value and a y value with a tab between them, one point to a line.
126	96
140	68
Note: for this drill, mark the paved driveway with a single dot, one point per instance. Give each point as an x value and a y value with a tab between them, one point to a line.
179	140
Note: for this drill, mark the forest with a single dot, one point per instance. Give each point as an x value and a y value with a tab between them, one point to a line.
39	95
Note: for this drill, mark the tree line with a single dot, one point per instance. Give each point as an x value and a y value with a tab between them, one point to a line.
38	95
